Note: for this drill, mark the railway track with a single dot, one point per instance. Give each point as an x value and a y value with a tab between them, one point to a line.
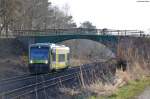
39	86
10	84
15	79
12	78
34	85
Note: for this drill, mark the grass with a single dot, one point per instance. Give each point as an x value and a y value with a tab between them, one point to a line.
130	91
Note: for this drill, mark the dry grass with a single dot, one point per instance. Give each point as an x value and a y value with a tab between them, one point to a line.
98	88
107	89
69	91
137	71
78	62
123	77
138	67
134	72
137	58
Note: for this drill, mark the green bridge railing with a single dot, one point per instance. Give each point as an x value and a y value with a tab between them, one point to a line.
75	31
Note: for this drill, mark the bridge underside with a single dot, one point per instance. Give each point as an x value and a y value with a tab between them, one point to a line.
108	40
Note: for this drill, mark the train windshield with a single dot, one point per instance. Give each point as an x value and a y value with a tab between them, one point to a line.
39	53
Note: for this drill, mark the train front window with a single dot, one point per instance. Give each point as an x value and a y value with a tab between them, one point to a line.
61	57
39	53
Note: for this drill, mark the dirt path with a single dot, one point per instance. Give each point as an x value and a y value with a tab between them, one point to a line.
145	94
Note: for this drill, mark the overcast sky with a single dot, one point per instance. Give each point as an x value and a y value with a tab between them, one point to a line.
113	14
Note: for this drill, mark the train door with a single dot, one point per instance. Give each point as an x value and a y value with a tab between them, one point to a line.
53	60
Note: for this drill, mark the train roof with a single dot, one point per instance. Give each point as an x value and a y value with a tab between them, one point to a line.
52	45
42	44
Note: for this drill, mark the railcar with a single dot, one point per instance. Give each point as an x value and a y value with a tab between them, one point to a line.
45	57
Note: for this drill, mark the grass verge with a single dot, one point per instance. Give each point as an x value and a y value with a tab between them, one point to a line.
130	91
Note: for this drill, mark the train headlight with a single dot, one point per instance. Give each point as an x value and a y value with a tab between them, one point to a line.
46	62
31	61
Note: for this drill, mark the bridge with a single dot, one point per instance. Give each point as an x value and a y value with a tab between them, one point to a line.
45	85
110	38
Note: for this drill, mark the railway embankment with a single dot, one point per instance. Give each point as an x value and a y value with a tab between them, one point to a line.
12	62
129	83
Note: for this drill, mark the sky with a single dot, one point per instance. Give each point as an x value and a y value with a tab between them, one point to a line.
111	14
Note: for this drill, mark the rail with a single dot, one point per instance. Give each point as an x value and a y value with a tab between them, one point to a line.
30	88
45	83
44	87
24	77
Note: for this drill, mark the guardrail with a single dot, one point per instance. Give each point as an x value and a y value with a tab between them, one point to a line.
74	31
77	31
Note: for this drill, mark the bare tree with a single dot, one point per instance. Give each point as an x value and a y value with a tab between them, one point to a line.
42	15
87	24
59	19
9	12
32	14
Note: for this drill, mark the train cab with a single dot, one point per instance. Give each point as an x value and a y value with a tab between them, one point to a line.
44	57
60	57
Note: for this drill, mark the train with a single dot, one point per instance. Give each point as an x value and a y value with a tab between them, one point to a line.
47	57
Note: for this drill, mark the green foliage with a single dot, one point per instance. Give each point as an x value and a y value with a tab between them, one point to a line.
131	90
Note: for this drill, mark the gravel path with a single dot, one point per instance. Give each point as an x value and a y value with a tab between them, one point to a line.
145	94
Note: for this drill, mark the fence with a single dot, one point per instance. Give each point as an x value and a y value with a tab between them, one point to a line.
75	31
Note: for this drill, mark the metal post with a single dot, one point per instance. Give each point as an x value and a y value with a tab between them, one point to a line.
36	91
44	87
3	96
81	77
36	94
60	82
125	33
118	33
